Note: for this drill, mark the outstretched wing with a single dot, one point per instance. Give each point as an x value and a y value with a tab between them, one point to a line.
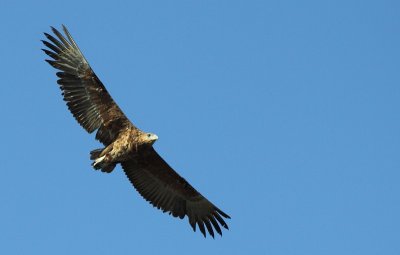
86	96
165	189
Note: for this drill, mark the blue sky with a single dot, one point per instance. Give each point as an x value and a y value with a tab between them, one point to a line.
285	114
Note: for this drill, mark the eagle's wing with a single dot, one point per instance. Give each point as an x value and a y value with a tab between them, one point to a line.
86	96
165	189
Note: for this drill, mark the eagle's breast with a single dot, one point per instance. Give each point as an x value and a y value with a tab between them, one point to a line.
125	145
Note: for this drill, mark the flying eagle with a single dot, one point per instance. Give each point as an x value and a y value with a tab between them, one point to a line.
125	144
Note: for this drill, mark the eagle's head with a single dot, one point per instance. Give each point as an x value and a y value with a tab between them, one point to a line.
149	138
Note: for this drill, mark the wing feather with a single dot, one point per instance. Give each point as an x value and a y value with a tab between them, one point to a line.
85	95
165	189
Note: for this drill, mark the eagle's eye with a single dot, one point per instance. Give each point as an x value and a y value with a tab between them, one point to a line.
148	135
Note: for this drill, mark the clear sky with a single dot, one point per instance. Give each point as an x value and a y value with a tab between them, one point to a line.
285	114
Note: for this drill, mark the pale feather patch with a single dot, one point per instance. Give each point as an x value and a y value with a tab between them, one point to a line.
98	160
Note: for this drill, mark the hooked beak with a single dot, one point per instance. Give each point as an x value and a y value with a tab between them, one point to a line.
153	138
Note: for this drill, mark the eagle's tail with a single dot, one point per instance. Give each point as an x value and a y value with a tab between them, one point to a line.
95	153
98	162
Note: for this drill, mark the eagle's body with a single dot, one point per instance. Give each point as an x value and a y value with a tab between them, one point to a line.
125	144
125	147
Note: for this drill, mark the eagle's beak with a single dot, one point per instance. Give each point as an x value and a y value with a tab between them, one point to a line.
153	138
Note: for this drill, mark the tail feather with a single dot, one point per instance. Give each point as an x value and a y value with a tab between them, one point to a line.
95	154
106	167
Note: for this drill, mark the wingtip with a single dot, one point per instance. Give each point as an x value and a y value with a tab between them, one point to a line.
46	51
51	62
209	228
53	29
202	228
215	224
193	224
222	213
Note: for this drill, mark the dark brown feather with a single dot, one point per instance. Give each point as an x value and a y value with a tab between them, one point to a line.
165	189
86	96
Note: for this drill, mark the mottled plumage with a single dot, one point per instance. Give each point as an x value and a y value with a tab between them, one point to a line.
94	109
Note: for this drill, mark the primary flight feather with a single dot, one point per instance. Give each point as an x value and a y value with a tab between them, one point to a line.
125	144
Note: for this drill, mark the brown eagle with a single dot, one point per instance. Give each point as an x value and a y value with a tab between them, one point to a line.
125	144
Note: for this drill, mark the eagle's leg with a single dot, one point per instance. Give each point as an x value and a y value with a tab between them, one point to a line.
102	160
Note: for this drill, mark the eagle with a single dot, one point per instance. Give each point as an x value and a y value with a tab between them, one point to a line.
124	143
